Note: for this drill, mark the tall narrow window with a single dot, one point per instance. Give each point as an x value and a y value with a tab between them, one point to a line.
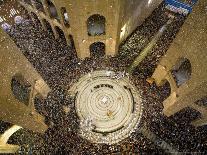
65	17
96	25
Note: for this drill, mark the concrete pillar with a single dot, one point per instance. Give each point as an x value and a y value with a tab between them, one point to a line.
12	110
193	48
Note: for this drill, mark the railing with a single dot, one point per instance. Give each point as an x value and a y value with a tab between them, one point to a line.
180	7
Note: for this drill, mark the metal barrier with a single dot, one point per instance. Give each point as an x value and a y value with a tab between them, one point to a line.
179	6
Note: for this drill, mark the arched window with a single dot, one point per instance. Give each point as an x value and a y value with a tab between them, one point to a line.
52	10
182	71
20	88
97	49
65	17
96	25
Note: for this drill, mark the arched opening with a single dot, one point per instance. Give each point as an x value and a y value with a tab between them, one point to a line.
35	18
65	17
97	49
20	88
60	33
52	10
96	25
48	27
182	71
39	5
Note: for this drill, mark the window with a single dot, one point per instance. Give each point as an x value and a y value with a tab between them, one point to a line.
96	25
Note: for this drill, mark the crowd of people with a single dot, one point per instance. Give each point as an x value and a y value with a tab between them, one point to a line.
60	68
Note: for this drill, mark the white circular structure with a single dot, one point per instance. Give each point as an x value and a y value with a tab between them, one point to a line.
108	105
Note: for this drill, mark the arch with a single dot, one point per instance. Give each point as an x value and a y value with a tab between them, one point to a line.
97	49
60	33
20	88
96	25
65	17
182	71
52	10
39	6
